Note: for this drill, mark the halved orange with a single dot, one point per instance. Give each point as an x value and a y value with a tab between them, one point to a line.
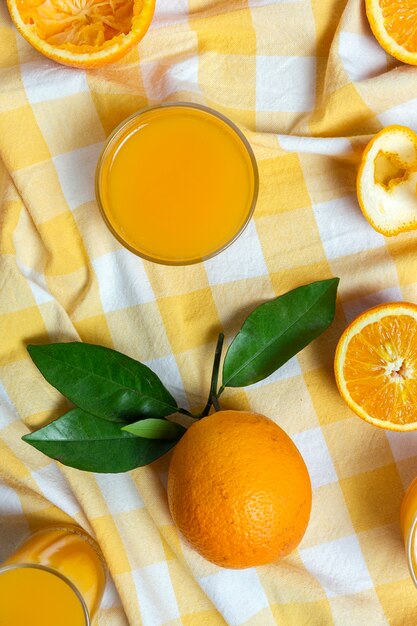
82	33
387	181
394	24
376	366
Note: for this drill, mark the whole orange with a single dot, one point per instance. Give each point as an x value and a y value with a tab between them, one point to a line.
239	490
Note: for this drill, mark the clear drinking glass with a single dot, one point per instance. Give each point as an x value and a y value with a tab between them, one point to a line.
177	183
55	578
409	527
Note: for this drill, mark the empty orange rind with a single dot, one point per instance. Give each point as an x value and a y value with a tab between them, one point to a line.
387	181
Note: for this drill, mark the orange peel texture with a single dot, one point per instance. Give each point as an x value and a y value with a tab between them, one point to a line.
239	490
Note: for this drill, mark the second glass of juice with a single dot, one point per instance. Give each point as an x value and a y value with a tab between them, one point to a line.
409	528
55	578
177	183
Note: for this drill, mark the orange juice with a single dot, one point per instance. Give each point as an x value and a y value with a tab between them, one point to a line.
31	596
177	183
57	569
408	519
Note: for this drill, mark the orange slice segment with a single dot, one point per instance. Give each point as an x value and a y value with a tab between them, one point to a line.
376	366
82	33
387	181
394	24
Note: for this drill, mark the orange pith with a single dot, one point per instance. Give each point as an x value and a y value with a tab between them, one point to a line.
387	180
393	23
83	33
238	489
376	366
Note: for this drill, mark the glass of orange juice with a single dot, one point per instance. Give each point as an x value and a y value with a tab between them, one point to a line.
177	183
408	519
55	578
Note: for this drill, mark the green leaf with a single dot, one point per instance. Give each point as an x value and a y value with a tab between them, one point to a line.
275	331
103	382
155	429
89	443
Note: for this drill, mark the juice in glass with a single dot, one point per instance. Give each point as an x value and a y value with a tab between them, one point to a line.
56	577
177	183
409	527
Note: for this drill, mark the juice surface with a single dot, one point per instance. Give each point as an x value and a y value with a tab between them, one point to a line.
176	184
71	552
35	597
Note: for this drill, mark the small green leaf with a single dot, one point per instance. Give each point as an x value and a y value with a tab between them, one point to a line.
89	443
103	382
275	331
155	429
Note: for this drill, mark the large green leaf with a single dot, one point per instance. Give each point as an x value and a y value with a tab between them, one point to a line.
103	382
89	443
155	429
275	331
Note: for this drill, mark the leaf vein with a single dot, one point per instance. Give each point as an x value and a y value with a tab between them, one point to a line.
267	345
115	383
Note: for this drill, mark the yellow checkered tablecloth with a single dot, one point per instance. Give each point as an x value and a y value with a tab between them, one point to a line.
308	85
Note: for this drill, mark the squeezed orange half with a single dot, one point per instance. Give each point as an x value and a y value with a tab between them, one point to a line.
177	183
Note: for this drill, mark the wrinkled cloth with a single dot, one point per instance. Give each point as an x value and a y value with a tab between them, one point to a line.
308	85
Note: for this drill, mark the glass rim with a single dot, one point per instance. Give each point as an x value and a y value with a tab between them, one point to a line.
50	570
189	105
73	529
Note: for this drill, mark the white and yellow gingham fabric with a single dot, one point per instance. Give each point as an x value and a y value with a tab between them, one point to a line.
308	85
